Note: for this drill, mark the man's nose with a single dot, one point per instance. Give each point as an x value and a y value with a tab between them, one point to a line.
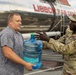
20	23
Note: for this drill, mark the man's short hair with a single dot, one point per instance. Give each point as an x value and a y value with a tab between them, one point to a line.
10	16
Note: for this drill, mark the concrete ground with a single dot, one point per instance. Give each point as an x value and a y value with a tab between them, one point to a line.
44	72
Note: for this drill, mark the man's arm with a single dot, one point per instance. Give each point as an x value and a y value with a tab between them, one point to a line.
8	53
60	47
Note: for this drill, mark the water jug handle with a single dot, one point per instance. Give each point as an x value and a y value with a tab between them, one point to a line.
37	66
34	67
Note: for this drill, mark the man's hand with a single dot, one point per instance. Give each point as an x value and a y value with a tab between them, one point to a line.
28	66
42	36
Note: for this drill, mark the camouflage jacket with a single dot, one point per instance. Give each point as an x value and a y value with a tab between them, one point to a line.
65	45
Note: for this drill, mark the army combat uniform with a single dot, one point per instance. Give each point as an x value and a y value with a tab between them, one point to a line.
65	45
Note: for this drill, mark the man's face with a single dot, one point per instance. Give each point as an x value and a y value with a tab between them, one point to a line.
16	22
73	26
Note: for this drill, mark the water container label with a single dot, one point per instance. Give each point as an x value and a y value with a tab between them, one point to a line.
31	60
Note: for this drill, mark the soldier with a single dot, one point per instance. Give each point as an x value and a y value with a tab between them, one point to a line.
65	45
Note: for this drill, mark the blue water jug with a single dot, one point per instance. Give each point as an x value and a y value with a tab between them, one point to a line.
33	52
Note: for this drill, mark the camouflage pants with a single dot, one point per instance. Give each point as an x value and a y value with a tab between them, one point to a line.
66	73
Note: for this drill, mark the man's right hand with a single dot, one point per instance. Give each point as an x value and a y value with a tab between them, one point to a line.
28	66
42	36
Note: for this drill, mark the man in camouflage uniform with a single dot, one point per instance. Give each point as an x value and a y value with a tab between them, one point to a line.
65	45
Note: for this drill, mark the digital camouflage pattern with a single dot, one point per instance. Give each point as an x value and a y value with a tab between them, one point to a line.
65	45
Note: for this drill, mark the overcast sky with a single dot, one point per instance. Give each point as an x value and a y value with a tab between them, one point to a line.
72	3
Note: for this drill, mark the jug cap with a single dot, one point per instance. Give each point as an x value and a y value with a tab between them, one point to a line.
32	33
32	37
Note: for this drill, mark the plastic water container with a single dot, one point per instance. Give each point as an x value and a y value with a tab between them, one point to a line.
33	52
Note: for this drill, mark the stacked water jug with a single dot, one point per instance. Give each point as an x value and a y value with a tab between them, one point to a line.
33	51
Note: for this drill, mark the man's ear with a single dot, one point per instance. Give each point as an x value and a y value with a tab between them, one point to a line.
9	22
